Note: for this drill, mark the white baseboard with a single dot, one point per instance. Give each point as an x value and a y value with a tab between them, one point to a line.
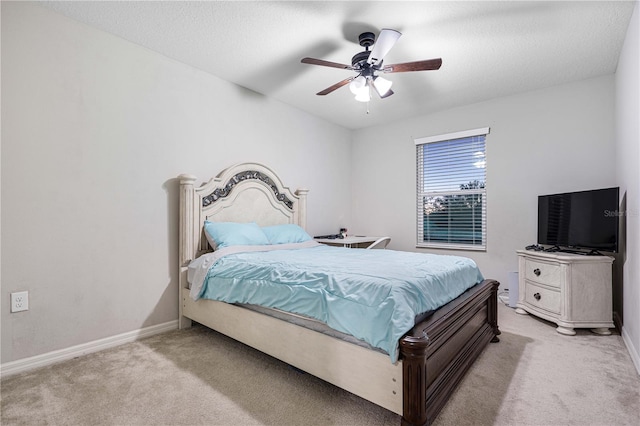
632	350
25	364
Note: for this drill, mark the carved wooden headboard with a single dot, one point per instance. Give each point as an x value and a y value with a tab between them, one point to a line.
246	192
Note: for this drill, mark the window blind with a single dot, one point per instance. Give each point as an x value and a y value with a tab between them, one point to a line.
451	190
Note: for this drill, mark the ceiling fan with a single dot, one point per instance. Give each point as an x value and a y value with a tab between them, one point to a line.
368	64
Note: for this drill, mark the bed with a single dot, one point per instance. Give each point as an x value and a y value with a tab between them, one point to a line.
432	357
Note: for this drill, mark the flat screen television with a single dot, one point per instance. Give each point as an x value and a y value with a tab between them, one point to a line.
580	220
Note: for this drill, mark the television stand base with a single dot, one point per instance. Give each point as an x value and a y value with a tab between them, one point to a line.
573	291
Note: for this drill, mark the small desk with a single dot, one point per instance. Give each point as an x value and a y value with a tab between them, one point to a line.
351	241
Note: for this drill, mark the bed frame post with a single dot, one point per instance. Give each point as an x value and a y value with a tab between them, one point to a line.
187	246
302	207
492	312
414	378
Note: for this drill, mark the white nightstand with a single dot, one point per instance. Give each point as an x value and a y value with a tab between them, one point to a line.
574	291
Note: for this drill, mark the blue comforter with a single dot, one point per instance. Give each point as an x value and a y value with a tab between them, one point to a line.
373	295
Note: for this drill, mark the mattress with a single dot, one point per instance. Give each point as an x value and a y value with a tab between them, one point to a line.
372	295
302	320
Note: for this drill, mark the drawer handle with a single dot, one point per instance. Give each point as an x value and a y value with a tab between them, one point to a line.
537	272
536	296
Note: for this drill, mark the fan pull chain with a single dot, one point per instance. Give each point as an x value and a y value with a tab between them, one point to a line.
368	88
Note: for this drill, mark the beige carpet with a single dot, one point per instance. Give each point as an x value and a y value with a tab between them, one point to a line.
534	376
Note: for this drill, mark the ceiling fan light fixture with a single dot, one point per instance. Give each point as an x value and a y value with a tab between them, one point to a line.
358	84
382	85
363	95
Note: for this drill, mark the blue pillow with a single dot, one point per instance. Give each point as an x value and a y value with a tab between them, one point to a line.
286	234
227	234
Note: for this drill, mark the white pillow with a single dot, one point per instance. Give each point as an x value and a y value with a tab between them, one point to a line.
286	234
227	234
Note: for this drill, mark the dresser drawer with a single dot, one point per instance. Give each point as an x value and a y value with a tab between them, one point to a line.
543	298
544	273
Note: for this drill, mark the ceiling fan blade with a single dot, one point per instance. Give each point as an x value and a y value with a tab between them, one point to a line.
313	61
426	65
335	86
386	39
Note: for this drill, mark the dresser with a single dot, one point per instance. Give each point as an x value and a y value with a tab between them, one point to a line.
571	290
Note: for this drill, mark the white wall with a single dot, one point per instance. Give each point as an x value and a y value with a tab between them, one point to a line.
95	131
627	109
553	140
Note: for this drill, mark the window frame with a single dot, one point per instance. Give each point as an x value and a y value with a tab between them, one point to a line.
421	193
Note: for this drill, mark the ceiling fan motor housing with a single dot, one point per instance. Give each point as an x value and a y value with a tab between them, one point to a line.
359	59
366	39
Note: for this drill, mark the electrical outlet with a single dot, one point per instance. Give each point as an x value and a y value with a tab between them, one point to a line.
20	301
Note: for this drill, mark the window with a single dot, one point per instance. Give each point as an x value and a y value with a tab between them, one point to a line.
451	190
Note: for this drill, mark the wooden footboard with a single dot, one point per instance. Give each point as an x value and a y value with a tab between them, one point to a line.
438	352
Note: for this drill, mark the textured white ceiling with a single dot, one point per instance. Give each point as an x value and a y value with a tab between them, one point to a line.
489	49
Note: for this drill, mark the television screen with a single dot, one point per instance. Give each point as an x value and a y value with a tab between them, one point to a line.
585	219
